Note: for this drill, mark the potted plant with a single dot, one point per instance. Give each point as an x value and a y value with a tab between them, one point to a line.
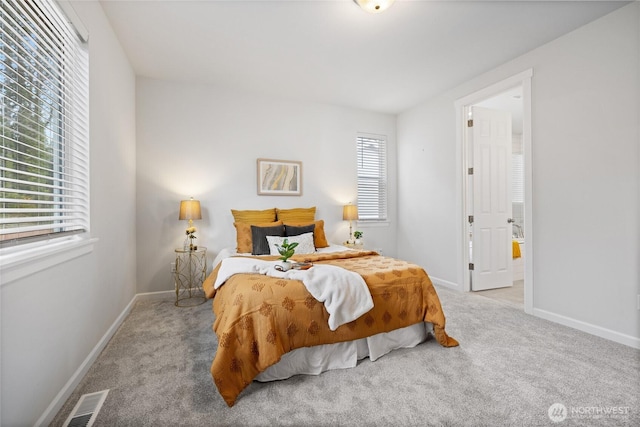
286	251
358	236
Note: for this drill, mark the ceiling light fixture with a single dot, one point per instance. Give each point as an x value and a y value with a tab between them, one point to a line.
374	6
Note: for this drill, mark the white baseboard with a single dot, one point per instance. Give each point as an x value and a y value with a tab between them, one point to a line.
598	331
57	403
152	296
54	407
445	283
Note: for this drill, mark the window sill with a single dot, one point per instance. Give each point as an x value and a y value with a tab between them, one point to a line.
20	263
366	224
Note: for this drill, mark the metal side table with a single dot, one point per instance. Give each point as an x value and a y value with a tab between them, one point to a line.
189	274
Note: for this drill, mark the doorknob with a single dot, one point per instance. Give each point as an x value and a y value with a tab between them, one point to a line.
510	220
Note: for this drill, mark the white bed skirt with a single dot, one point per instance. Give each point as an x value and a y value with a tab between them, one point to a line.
321	358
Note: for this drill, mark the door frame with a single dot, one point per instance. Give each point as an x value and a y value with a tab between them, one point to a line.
462	105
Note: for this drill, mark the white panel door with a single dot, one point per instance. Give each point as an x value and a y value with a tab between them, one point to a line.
491	229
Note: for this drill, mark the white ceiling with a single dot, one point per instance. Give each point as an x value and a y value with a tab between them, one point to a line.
331	51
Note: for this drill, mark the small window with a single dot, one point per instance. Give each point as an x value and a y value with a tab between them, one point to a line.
372	178
44	135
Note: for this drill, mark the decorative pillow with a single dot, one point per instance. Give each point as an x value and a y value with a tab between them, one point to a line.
296	230
253	216
243	235
305	243
319	238
259	238
304	215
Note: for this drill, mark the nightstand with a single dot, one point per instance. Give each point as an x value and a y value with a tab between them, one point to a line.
190	272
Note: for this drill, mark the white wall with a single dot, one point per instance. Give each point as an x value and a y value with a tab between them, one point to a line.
53	319
203	141
585	142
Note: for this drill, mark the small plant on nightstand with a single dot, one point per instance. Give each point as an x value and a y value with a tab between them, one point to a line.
358	235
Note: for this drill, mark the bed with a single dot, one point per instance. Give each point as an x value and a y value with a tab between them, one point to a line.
350	304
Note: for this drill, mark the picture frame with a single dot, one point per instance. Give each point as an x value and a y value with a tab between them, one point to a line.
279	177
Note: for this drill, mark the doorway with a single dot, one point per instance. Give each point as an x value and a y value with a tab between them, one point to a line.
516	89
489	139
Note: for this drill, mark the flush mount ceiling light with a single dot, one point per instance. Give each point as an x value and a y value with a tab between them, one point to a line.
374	6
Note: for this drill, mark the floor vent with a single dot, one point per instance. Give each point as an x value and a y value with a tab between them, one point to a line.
86	410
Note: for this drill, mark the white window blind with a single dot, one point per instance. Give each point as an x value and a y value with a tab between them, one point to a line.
44	136
517	178
372	178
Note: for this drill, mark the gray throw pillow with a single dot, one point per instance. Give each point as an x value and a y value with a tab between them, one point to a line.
259	238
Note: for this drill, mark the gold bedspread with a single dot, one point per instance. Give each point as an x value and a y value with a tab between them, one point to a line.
259	318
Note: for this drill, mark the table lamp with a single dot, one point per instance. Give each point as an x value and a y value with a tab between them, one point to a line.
190	209
350	212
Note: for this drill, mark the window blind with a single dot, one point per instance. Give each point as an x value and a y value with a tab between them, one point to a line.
44	135
372	178
517	178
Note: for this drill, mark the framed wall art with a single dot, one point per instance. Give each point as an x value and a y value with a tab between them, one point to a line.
279	177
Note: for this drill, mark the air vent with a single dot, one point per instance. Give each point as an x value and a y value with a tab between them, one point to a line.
86	410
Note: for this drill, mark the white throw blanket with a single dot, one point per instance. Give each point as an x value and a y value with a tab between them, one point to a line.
344	293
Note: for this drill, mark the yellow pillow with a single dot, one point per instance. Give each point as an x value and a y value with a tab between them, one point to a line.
307	215
253	216
319	238
243	235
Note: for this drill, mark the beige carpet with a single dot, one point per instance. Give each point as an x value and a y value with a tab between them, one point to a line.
509	369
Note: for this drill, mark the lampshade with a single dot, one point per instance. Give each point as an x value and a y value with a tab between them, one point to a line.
350	212
374	6
190	209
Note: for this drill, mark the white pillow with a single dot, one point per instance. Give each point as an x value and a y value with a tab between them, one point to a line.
305	243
